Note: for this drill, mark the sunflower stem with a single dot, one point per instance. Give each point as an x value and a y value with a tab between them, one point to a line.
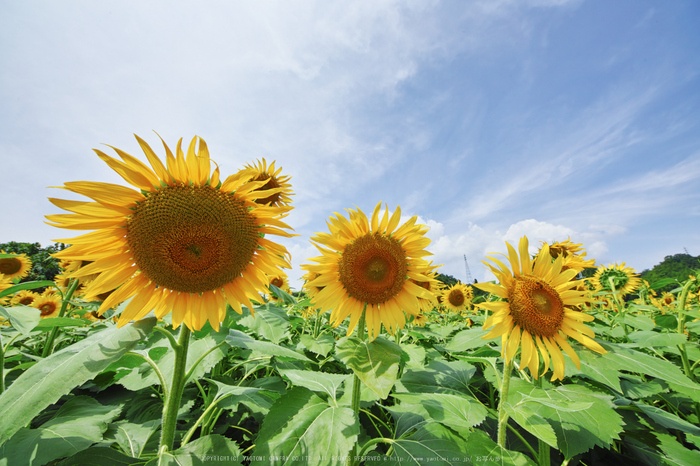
317	325
502	415
172	403
51	336
620	309
543	457
680	309
356	386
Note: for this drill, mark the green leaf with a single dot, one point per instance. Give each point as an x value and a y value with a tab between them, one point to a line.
26	286
438	377
45	382
457	412
211	450
431	444
51	322
467	339
666	419
641	363
316	381
301	428
640	322
375	363
132	438
321	345
596	367
484	451
649	338
144	376
241	340
79	423
576	431
667	321
230	396
532	422
100	456
270	322
416	355
642	389
669	451
23	318
285	297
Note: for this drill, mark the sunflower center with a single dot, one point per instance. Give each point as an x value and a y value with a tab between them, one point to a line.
373	268
536	306
271	184
26	301
278	282
47	308
10	265
456	298
192	239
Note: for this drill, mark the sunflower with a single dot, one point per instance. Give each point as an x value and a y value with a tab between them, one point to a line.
537	313
624	279
260	171
17	266
420	320
5	283
457	297
433	285
371	265
183	241
281	281
49	305
573	253
24	297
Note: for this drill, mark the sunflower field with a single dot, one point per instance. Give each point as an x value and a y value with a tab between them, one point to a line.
172	337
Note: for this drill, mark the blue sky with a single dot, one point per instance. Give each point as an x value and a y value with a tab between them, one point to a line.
488	119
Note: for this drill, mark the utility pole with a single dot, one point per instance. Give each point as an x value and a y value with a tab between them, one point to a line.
469	274
686	250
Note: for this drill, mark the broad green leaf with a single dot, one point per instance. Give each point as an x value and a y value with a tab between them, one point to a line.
45	382
438	377
51	322
484	451
100	456
211	450
532	422
26	286
640	322
132	438
641	363
144	376
668	451
282	295
416	355
595	366
321	345
79	423
576	431
366	395
23	318
649	338
569	406
230	396
457	412
467	339
316	381
642	389
375	363
270	322
301	428
667	321
666	419
431	444
241	340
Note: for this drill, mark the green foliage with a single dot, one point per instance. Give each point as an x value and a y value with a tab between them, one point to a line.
44	265
447	280
677	268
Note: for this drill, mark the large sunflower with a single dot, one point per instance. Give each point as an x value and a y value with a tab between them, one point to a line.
624	278
183	241
537	312
372	264
17	266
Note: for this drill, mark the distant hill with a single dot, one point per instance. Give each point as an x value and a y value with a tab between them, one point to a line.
677	267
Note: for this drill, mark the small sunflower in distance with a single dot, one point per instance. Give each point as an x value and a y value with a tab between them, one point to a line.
371	264
537	313
49	305
457	297
24	297
625	279
183	242
573	253
260	171
17	266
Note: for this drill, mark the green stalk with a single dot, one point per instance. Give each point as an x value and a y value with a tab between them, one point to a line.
620	308
172	404
317	325
543	457
51	336
356	386
2	367
502	415
680	309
